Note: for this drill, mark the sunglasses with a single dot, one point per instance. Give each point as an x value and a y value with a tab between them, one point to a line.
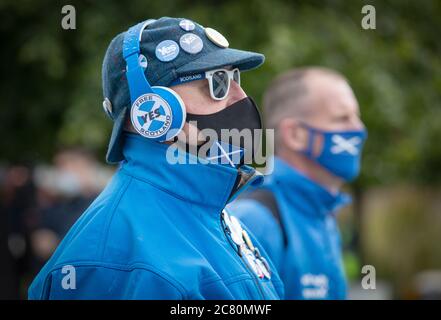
219	81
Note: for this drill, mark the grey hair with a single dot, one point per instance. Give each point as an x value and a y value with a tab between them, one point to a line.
288	95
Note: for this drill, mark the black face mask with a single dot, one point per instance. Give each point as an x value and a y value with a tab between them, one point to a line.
242	114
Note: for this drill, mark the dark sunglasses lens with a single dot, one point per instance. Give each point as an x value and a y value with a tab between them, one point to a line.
220	84
236	76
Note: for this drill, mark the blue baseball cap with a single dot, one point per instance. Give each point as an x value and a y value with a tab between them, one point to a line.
173	48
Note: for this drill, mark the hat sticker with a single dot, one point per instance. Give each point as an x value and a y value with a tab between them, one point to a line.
216	37
186	25
167	50
142	60
191	43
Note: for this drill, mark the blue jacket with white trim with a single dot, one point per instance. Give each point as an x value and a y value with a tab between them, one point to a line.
307	251
155	232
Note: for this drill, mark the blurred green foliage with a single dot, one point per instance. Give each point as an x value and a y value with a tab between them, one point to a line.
51	78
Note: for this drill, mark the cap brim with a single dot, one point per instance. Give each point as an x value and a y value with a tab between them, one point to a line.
115	150
244	60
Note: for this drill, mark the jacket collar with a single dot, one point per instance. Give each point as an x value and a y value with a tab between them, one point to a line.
306	193
205	184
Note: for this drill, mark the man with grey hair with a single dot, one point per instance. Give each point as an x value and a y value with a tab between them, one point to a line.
318	142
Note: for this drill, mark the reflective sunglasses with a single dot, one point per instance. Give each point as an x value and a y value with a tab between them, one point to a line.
219	81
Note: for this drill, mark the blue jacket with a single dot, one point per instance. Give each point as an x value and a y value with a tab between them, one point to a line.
309	258
155	232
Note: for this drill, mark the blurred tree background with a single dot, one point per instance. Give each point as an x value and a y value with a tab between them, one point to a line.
51	93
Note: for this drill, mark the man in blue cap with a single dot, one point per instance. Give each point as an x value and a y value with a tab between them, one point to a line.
159	229
318	142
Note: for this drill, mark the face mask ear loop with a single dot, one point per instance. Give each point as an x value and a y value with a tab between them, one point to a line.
311	138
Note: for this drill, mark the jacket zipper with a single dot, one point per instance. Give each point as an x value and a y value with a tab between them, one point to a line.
234	246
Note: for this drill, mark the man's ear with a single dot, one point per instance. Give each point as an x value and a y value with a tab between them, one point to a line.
294	137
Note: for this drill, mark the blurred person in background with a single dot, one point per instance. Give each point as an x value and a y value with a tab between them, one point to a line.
318	141
65	190
158	230
38	206
18	214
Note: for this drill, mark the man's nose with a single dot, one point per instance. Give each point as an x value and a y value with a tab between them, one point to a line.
236	93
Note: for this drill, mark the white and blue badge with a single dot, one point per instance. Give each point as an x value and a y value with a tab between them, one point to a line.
246	248
191	43
142	60
187	25
167	50
151	115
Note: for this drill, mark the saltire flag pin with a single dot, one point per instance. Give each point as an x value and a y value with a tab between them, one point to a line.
187	25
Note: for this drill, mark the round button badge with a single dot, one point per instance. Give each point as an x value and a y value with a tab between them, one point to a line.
142	61
187	25
167	50
216	37
191	43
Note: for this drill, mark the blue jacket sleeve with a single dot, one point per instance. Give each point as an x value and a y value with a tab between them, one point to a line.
98	282
259	219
